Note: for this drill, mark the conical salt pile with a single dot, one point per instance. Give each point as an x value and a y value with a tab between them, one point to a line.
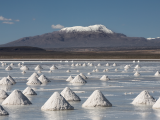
72	64
16	98
114	64
84	64
91	64
3	65
24	68
137	66
38	67
78	79
9	68
3	112
89	73
83	76
93	71
34	81
134	61
157	73
69	78
29	91
126	67
53	67
96	70
107	64
11	64
34	74
99	64
5	81
56	102
69	95
157	104
97	99
116	69
144	98
3	94
104	78
68	71
11	79
44	79
136	74
104	70
19	64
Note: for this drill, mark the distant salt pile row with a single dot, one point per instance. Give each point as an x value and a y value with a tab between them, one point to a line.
7	81
35	79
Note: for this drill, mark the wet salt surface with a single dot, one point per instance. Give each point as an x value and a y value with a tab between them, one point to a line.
113	90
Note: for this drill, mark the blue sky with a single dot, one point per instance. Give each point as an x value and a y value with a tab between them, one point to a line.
22	18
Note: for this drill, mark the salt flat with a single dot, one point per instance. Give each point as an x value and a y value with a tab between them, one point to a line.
120	90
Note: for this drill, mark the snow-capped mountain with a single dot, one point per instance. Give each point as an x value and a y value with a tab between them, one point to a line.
92	28
95	36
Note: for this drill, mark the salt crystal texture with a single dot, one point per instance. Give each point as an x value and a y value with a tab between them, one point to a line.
44	79
34	81
69	95
144	98
11	79
16	98
157	104
97	99
5	81
83	76
56	102
104	78
69	78
29	91
78	79
3	94
3	112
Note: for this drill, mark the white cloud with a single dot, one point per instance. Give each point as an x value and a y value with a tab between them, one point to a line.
17	20
4	19
58	26
8	22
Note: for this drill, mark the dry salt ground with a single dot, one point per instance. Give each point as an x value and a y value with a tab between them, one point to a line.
113	90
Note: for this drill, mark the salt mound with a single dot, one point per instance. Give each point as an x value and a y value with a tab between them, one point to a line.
144	98
38	67
23	72
97	99
3	112
9	68
24	68
78	79
127	67
16	98
39	71
96	70
3	94
77	70
99	64
50	71
2	64
68	71
11	79
137	66
104	70
19	64
56	102
69	78
157	104
116	69
91	64
134	61
11	64
89	73
34	81
83	76
34	74
72	65
114	64
29	91
93	71
84	64
5	81
107	64
80	64
136	74
77	64
69	95
104	78
53	67
44	79
157	73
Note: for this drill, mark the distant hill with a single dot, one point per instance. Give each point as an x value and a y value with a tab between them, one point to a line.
97	36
